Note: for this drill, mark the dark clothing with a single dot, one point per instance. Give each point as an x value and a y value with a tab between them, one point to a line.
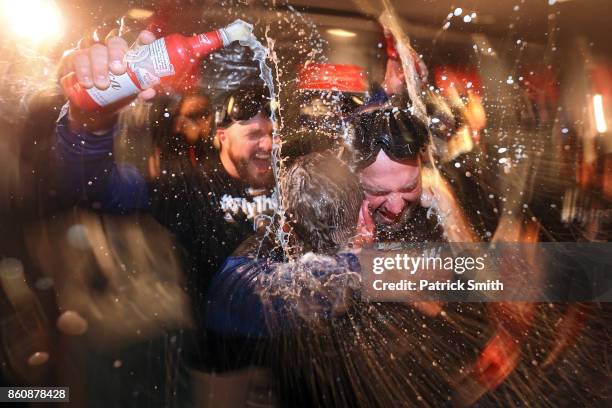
260	304
304	321
422	226
258	296
210	212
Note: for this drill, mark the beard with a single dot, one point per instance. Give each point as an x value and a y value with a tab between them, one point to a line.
413	225
399	222
249	172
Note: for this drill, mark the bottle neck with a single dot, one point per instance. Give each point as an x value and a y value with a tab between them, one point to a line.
203	44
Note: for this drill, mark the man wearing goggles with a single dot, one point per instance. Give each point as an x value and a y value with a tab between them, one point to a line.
388	151
244	131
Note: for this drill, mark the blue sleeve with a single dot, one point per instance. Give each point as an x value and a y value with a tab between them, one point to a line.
234	305
258	298
86	172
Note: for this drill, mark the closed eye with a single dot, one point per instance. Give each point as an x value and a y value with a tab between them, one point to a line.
253	135
409	189
379	193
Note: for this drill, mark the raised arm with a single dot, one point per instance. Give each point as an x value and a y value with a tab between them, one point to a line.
82	154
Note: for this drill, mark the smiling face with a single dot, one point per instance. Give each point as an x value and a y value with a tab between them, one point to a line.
392	189
246	148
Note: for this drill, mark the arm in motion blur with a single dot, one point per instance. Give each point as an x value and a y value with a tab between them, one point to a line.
86	171
257	297
82	158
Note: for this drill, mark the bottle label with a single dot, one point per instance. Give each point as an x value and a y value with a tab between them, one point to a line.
121	86
203	39
150	63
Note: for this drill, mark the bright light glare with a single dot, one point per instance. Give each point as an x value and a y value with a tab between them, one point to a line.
34	20
139	13
600	119
341	33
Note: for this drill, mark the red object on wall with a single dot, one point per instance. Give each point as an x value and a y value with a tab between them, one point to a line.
601	76
460	78
333	77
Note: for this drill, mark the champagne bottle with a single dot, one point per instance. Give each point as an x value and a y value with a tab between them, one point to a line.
165	62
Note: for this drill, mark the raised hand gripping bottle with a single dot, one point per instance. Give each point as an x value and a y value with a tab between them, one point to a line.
163	62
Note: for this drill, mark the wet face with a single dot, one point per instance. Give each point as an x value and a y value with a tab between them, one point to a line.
248	146
194	118
392	189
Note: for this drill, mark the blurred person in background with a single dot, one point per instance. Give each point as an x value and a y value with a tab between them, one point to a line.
183	132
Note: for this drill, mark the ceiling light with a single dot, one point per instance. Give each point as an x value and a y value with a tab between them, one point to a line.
34	20
139	13
600	118
341	33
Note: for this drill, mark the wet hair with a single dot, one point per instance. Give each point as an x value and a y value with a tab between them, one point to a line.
322	197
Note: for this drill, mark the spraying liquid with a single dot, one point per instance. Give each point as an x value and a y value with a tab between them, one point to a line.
261	54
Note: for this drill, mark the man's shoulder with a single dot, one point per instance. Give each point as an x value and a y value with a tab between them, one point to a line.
259	245
200	180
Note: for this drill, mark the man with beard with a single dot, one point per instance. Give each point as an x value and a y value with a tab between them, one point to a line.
389	151
302	321
389	146
211	208
219	196
406	201
246	147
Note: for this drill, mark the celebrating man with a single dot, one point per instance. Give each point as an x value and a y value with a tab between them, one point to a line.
389	153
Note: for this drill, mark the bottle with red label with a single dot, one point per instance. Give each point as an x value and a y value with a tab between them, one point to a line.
164	62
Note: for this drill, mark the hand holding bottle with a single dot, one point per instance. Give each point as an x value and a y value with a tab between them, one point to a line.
91	68
107	77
